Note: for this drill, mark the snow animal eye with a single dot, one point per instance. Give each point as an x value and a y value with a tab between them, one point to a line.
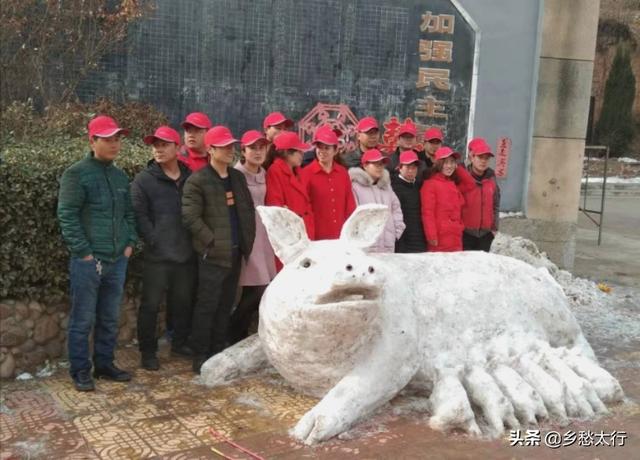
306	263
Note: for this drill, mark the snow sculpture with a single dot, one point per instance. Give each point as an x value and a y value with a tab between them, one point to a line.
489	339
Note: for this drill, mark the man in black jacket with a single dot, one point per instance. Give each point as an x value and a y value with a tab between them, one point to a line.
407	188
218	210
169	259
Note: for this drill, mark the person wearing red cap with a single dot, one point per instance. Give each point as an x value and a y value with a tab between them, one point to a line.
98	226
482	203
284	185
273	124
260	268
371	184
328	186
368	138
218	210
194	153
442	199
169	259
407	140
433	139
406	186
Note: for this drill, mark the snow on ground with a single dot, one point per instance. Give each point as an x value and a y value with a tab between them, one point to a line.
628	160
511	214
613	180
607	318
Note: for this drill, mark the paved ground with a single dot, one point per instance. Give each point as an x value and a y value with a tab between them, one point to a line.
166	415
617	259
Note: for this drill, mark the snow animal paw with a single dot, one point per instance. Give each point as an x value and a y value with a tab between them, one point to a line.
546	383
317	425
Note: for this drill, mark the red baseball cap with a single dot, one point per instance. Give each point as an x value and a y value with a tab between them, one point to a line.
276	118
407	157
104	126
197	119
432	134
373	155
164	133
479	146
407	128
367	124
251	137
219	136
446	152
288	140
325	134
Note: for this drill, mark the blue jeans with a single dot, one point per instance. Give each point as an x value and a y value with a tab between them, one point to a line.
96	294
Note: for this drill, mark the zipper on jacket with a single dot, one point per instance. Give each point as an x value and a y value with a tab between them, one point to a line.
113	213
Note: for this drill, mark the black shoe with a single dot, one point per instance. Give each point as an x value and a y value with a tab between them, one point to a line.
82	380
198	361
111	372
183	350
150	362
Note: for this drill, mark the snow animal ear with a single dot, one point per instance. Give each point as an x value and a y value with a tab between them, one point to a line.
286	232
365	225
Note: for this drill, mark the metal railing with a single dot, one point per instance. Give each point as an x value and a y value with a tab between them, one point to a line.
588	153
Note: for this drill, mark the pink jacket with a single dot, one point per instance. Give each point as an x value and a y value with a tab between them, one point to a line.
366	192
260	268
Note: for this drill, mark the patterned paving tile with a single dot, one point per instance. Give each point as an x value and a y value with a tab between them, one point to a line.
165	435
117	442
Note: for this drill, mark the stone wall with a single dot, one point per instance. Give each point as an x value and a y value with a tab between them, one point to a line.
32	333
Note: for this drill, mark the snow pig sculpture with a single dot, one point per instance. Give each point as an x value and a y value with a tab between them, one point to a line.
489	339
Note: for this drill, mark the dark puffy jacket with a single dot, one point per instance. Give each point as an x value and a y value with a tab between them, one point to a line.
94	210
352	159
412	240
482	205
157	201
206	214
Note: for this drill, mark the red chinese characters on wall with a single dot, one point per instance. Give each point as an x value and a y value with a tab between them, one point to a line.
503	150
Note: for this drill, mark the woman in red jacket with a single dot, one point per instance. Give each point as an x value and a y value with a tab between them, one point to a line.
442	201
482	202
328	185
284	186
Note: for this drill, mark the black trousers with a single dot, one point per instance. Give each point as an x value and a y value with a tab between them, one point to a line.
178	282
474	243
244	312
211	316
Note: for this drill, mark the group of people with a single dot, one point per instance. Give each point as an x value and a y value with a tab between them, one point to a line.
194	208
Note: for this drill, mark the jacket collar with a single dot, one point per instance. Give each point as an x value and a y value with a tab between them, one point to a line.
361	177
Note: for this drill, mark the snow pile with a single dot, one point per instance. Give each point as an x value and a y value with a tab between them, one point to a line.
511	214
604	317
628	160
612	180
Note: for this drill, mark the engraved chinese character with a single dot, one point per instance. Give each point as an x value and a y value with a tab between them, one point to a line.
437	24
430	107
570	436
436	50
532	438
438	77
600	440
617	438
585	438
515	438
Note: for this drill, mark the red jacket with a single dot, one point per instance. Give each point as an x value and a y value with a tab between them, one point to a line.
480	211
331	198
285	189
193	159
441	202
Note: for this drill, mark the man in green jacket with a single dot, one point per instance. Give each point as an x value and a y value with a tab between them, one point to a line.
218	210
98	226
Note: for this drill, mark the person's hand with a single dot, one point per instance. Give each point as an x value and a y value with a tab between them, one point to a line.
128	251
89	257
433	242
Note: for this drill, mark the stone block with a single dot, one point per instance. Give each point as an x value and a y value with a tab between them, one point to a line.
569	29
554	179
562	103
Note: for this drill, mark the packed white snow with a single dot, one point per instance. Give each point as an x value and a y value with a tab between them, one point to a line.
612	180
